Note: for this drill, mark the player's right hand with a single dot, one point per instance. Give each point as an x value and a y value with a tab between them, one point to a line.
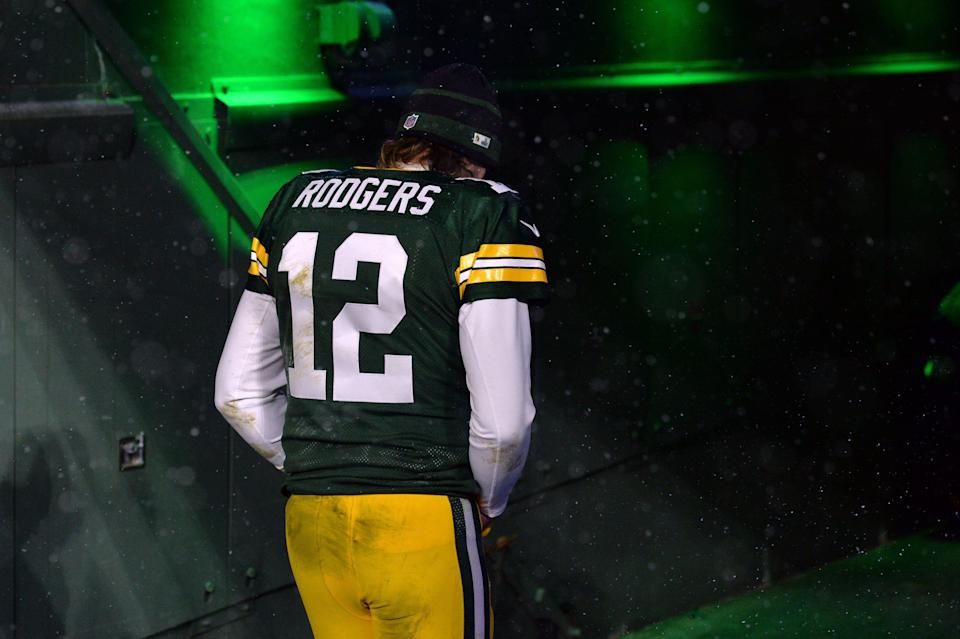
486	523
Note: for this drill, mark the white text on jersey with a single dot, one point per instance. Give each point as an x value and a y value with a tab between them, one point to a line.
368	194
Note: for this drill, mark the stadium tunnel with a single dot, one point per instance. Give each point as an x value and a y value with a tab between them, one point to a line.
747	371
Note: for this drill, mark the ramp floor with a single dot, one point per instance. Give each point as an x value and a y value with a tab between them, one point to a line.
909	589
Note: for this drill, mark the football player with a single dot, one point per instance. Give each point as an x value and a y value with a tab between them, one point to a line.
380	357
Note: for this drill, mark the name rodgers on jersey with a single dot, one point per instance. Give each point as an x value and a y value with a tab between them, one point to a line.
368	194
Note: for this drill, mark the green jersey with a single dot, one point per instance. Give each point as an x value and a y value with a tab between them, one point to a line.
368	269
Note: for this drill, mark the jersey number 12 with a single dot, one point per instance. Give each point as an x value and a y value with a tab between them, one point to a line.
395	384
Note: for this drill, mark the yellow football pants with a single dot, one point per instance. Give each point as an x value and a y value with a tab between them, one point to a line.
389	566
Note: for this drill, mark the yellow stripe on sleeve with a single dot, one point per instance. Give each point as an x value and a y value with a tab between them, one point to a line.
497	250
261	252
484	275
510	250
254	269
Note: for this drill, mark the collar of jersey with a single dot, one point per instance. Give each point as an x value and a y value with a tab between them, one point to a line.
402	167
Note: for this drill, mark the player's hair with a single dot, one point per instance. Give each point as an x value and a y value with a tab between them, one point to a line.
408	148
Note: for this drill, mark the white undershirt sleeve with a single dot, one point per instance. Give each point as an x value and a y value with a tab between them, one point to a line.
251	381
495	345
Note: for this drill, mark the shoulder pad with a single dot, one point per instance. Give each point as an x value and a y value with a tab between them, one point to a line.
496	186
320	171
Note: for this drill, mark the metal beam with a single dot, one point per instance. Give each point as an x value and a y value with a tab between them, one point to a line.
137	70
64	131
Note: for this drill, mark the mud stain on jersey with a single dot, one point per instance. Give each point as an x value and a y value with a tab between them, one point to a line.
515	455
302	282
304	344
303	340
403	617
374	530
509	455
332	524
238	417
408	604
242	420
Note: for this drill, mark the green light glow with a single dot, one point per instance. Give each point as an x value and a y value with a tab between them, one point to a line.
950	305
939	367
272	96
189	41
260	185
660	74
164	150
667	29
684	224
279	97
248	38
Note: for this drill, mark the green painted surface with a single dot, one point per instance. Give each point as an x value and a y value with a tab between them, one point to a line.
910	588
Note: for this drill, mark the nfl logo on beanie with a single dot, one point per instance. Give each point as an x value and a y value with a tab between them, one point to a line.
456	107
481	140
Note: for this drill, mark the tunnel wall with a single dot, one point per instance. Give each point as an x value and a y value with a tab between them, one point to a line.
121	286
731	380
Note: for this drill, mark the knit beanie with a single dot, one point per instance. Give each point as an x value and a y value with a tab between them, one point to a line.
456	107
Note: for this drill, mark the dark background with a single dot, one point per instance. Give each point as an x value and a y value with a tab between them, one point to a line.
743	372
